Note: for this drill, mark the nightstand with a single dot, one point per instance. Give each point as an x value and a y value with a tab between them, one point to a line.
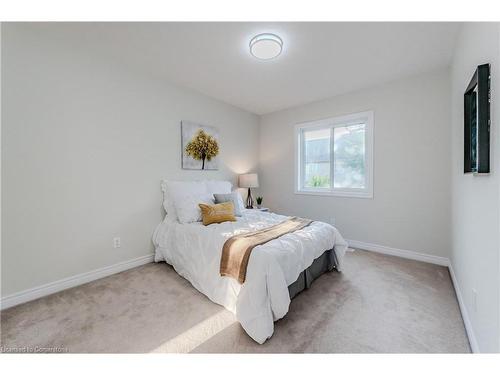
263	209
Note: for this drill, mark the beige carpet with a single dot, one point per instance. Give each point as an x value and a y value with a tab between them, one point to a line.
379	304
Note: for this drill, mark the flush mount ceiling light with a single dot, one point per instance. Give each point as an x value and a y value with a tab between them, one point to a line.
266	46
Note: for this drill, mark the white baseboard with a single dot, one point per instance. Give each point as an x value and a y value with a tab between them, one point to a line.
408	254
465	315
442	261
70	282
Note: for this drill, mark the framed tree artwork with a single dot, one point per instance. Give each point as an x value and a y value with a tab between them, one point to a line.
200	146
477	122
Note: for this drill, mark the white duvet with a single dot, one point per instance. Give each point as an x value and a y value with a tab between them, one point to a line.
194	250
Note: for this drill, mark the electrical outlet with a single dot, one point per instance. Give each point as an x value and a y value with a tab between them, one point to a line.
474	299
117	242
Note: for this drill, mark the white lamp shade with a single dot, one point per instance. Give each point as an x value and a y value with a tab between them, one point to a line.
249	180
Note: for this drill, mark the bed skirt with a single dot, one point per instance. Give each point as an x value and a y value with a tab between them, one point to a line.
325	263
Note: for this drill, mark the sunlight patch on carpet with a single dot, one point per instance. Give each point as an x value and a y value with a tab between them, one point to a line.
198	334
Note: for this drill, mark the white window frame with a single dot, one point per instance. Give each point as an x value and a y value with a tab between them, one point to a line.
332	123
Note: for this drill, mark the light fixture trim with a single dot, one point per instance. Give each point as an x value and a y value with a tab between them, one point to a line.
266	46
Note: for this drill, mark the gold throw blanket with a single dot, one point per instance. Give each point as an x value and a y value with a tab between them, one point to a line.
237	249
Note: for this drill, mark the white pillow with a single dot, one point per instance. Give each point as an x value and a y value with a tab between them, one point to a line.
187	208
164	190
177	190
218	187
240	201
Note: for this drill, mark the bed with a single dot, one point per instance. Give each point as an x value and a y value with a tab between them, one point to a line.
277	270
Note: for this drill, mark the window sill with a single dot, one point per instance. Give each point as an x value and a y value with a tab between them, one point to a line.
339	193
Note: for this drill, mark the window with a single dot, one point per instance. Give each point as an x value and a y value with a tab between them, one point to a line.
335	156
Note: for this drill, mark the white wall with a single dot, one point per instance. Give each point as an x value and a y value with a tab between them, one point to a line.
410	209
476	199
85	143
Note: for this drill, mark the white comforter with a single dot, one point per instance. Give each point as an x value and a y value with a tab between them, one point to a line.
194	250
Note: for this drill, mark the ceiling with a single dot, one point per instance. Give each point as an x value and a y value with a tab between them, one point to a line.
319	60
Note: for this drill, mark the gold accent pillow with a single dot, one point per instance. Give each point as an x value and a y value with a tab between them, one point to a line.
217	213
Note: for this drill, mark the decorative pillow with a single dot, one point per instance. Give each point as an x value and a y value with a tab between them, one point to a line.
217	213
232	197
187	207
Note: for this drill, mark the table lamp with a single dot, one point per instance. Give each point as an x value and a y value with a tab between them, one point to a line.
249	180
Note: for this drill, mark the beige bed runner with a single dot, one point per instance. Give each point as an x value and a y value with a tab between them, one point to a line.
237	249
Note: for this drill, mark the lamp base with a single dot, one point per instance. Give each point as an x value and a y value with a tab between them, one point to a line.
249	200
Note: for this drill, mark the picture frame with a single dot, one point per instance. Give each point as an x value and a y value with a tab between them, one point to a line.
477	122
200	146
